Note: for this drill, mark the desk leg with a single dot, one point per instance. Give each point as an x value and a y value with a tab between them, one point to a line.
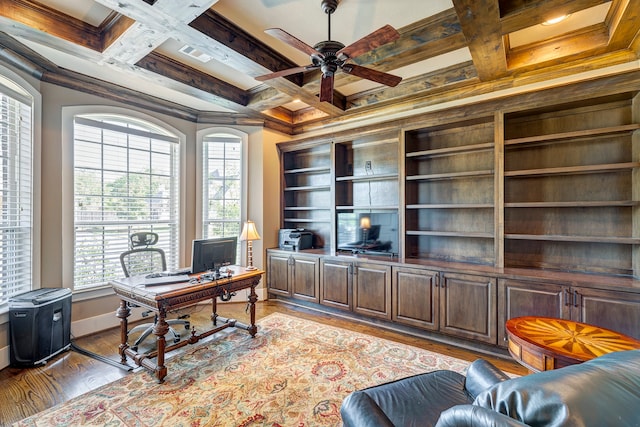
253	297
160	330
214	310
122	313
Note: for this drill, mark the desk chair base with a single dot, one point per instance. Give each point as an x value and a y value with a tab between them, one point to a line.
148	330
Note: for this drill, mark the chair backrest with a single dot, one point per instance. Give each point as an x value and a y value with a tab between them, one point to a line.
141	258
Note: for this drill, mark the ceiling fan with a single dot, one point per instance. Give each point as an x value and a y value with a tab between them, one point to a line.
330	56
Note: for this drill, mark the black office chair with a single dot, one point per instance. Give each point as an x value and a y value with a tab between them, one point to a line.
142	258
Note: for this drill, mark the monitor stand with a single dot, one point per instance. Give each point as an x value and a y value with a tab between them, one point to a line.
217	274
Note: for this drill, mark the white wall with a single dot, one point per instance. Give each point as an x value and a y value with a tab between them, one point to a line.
95	311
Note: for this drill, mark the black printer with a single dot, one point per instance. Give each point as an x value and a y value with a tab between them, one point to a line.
295	239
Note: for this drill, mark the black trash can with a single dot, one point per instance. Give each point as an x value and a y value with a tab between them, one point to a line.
40	325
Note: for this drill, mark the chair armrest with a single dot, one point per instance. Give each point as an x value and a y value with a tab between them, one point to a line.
359	410
481	375
475	416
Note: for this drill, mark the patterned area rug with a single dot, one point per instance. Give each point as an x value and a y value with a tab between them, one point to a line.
293	373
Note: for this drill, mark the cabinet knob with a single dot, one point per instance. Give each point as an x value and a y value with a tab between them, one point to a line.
575	298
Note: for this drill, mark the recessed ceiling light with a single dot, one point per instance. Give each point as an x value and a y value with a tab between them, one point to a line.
555	20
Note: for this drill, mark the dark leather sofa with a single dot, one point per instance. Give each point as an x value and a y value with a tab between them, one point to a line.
602	392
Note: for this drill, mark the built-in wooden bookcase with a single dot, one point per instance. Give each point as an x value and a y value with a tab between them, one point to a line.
449	192
366	184
571	187
554	187
307	201
526	206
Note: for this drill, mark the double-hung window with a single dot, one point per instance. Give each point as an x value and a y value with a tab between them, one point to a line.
16	197
126	179
222	186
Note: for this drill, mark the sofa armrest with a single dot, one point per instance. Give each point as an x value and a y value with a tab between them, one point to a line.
475	416
359	410
481	375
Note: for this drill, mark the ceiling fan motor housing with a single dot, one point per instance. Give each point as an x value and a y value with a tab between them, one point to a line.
327	60
329	6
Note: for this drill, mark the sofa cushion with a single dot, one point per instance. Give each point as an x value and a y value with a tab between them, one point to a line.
411	401
602	392
475	416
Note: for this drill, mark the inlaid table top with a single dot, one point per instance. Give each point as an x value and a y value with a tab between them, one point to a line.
543	343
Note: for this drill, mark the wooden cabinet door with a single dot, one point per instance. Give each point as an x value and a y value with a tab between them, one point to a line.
336	283
305	278
278	274
518	298
372	290
414	296
618	311
468	306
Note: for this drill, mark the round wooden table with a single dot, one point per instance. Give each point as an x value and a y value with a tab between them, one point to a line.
542	343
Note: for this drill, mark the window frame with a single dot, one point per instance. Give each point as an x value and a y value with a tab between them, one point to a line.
8	78
244	154
68	217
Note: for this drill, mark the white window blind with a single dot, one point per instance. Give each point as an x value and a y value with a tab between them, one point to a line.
222	192
126	179
15	194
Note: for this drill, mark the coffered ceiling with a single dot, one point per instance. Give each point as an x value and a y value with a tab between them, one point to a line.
198	59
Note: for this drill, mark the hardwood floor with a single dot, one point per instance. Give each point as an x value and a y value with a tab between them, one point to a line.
24	392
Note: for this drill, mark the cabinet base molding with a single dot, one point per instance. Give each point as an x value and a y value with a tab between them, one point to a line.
394	327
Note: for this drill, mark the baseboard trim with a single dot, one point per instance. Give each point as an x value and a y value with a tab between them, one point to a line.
5	357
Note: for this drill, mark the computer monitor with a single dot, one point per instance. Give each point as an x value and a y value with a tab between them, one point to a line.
213	254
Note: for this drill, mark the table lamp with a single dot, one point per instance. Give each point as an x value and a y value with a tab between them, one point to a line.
249	233
365	226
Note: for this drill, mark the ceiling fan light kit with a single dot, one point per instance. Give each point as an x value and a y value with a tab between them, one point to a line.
330	56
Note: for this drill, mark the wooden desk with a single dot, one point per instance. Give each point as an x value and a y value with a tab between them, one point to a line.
165	298
542	343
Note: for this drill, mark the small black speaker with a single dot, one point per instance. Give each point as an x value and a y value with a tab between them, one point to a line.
40	325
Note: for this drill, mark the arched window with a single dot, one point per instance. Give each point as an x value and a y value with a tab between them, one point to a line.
126	179
16	190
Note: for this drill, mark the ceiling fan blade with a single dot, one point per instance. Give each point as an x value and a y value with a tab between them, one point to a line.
284	73
380	37
326	89
370	74
292	41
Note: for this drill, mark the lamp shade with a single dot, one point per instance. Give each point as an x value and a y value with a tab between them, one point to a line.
365	222
249	231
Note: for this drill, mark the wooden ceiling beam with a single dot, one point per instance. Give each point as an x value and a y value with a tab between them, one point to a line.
437	81
227	95
152	26
262	58
223	31
623	22
590	41
421	40
211	33
478	89
518	15
480	21
50	21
